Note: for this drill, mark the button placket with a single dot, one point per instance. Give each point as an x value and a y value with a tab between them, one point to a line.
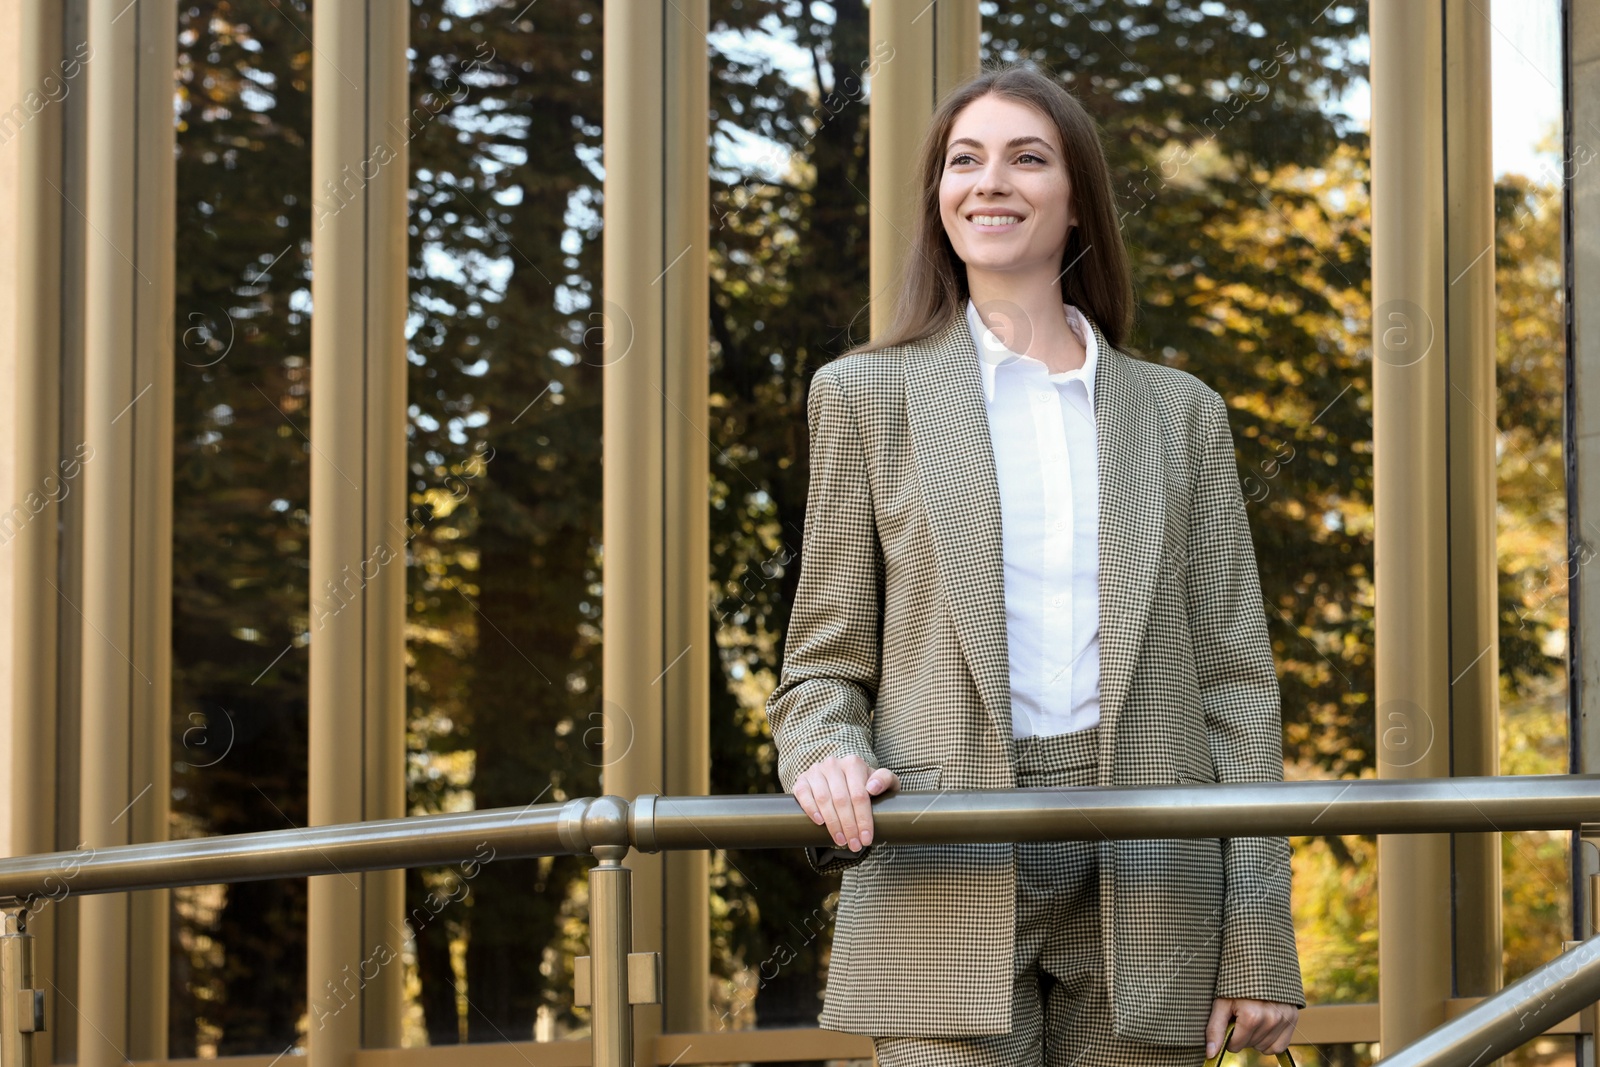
1054	666
1044	424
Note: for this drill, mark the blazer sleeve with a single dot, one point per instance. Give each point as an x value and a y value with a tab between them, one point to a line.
828	684
1240	696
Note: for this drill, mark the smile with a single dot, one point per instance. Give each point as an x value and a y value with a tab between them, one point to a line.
994	223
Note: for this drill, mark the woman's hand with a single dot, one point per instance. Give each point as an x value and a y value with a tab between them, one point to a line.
1265	1025
839	791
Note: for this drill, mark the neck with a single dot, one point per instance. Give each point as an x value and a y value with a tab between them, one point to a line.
1029	319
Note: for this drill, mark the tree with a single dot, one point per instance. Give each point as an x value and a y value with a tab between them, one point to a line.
241	494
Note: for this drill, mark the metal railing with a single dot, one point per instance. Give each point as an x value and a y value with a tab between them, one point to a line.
608	827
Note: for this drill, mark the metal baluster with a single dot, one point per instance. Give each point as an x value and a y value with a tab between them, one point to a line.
612	978
610	937
21	1006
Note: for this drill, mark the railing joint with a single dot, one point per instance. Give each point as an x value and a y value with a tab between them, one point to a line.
589	823
642	823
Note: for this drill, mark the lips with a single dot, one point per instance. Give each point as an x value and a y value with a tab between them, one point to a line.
994	220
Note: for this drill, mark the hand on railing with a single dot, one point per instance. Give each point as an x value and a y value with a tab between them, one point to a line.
839	791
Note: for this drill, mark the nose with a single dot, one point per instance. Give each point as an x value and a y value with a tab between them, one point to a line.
992	182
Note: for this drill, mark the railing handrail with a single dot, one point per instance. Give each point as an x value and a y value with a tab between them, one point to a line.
774	820
343	848
609	826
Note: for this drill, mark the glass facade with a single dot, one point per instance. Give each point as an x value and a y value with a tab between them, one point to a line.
1241	140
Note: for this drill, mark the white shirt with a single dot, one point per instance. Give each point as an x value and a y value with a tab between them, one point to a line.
1043	431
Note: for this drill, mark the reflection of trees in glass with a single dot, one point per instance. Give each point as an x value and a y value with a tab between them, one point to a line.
503	518
240	539
1531	352
503	521
504	576
1535	567
789	283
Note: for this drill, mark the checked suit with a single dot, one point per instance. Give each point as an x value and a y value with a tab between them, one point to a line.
896	653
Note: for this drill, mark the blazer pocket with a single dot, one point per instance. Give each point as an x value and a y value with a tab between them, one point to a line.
826	859
918	779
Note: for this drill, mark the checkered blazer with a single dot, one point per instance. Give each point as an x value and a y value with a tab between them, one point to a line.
896	652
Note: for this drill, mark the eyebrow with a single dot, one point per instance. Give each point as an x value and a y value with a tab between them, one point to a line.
1013	143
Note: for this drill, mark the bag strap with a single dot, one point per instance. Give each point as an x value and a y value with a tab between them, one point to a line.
1284	1059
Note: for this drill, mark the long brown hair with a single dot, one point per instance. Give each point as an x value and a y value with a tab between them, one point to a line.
933	279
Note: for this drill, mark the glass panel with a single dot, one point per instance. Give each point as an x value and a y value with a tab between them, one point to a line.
1535	568
504	519
789	288
240	536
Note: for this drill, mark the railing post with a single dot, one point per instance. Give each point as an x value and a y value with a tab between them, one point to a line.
21	1006
610	939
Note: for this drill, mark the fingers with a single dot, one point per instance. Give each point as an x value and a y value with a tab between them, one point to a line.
856	774
815	794
1254	1024
879	782
1217	1025
843	800
838	792
1266	1026
808	802
1284	1035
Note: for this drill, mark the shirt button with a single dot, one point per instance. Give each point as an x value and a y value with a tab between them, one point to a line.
1057	601
1061	524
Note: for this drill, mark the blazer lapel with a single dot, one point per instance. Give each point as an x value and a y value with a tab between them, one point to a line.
956	471
949	426
1133	501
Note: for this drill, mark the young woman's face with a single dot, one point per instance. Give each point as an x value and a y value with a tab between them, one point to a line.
1004	196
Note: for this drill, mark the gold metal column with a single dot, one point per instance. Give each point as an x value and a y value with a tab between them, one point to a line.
360	175
127	508
48	81
1411	506
27	538
1469	338
923	50
656	454
1583	421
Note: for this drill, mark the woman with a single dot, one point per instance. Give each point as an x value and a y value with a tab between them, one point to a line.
1027	562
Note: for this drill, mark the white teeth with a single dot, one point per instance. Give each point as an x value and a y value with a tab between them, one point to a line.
994	220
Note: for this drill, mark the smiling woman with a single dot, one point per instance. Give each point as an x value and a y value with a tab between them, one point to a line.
1033	154
1005	201
1026	562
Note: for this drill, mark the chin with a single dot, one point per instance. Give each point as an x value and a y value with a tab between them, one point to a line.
992	263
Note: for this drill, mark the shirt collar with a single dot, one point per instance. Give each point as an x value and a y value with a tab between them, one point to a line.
991	353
